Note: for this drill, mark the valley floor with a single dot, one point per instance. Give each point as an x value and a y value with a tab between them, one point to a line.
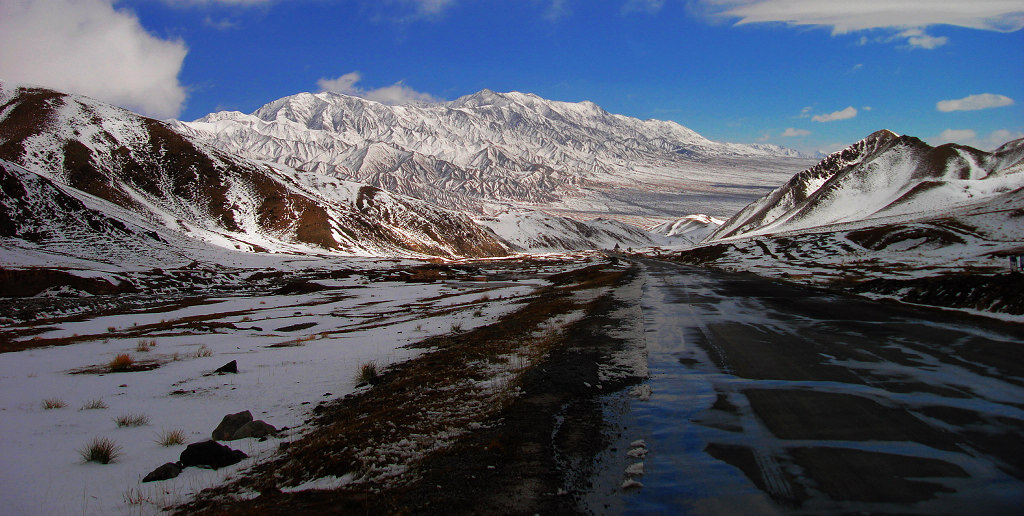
553	384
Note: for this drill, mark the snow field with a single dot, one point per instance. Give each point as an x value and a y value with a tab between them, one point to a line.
282	375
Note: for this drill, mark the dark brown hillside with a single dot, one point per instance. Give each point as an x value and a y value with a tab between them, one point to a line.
27	115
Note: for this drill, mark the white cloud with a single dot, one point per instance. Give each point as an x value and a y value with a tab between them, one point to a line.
557	9
1001	136
432	6
969	137
344	84
791	132
909	17
844	114
643	6
844	17
90	48
974	102
806	112
226	2
957	135
396	94
422	7
918	39
225	24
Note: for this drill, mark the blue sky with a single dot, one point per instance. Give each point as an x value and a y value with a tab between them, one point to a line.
807	74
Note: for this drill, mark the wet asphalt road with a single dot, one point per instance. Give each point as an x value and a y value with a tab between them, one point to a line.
771	398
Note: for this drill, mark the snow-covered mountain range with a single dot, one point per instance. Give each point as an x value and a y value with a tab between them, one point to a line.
91	157
492	152
883	175
451	180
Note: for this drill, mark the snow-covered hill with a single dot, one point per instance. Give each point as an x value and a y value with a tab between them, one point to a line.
89	152
883	175
688	230
889	216
486	151
540	232
954	257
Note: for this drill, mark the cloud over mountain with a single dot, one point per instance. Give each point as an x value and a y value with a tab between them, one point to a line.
91	48
394	95
843	114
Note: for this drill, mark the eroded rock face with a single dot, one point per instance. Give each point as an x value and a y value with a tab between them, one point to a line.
210	454
230	424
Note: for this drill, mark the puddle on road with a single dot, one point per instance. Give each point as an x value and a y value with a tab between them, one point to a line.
692	406
679	476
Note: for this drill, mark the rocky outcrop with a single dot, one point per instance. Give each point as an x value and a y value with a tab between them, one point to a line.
230	424
241	426
165	472
211	455
256	428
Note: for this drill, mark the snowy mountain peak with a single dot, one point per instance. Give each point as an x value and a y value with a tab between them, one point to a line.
882	175
486	151
482	98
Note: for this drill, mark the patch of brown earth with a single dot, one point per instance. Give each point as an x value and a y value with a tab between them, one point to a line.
478	432
30	282
994	293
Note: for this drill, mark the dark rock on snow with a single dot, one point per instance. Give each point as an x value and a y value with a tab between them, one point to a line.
165	472
230	367
256	428
210	454
230	424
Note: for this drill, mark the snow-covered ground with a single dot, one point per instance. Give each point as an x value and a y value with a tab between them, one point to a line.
293	351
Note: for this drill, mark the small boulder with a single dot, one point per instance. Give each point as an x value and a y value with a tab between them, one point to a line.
210	454
258	428
165	472
230	367
230	424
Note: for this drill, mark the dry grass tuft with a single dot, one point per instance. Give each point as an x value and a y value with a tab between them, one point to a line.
95	404
101	450
171	437
369	373
54	403
120	363
203	352
145	345
132	420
